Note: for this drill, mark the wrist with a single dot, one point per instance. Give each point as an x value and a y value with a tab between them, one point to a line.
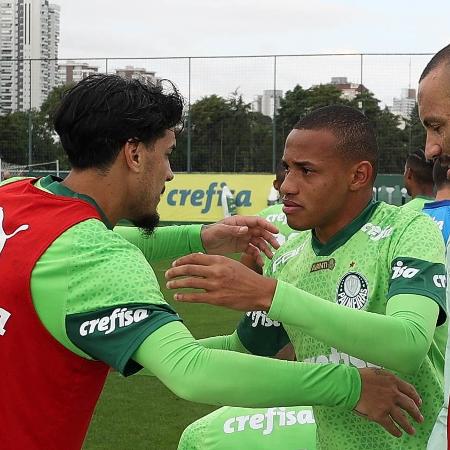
269	286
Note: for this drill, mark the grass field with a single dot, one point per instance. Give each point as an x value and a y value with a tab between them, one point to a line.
139	412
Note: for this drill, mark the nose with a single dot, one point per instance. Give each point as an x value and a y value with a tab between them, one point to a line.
288	186
433	149
170	175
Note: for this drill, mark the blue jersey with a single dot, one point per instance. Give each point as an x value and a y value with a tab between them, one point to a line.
440	212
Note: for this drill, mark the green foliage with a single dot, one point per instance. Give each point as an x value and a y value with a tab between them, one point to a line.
14	129
226	136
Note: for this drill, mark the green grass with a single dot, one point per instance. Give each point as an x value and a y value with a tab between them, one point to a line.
139	412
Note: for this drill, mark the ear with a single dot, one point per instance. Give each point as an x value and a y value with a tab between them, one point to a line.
408	173
132	151
362	173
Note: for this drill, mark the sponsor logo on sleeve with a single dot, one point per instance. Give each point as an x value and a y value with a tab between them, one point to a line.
261	318
402	270
119	318
352	291
440	281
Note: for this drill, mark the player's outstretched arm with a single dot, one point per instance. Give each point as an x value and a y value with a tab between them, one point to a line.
235	234
408	325
221	377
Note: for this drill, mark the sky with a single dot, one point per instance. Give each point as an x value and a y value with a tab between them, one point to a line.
144	29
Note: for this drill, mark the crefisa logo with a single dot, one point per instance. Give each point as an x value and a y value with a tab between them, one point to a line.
352	291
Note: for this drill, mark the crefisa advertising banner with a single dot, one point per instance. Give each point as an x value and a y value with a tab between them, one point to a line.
198	197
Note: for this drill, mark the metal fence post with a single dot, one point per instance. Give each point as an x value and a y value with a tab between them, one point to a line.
274	120
189	137
30	123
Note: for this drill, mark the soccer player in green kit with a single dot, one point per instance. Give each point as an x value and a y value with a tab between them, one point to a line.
77	298
365	287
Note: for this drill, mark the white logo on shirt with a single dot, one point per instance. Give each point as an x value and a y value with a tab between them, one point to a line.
375	232
261	316
400	270
283	259
3	236
337	357
265	422
4	316
119	318
440	281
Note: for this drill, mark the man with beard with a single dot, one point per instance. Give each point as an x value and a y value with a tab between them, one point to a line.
434	112
77	298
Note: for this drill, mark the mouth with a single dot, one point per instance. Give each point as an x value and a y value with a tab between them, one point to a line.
291	207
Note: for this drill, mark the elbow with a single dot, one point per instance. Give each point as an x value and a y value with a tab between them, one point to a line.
189	389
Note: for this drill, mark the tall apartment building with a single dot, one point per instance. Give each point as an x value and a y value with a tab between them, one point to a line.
137	73
73	72
29	29
404	105
349	90
268	102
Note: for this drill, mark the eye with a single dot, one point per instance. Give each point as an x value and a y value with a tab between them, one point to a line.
306	170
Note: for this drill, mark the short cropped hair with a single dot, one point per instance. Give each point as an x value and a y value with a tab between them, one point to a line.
420	166
356	136
440	169
97	116
441	57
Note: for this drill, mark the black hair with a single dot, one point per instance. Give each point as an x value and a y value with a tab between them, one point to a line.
97	116
421	167
356	136
442	56
440	169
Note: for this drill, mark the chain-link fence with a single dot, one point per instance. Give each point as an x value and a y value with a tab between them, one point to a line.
239	110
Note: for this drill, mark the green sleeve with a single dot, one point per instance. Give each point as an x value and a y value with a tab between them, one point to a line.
230	342
166	242
407	328
220	377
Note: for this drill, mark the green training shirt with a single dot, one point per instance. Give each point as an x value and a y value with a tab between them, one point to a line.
291	428
417	203
95	308
384	252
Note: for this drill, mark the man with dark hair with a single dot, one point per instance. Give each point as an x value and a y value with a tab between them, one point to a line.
418	179
77	298
434	112
362	288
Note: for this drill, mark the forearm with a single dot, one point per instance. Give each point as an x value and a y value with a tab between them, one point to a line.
221	377
406	329
229	342
165	242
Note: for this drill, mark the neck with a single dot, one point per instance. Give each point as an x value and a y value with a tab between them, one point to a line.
443	193
101	187
348	214
422	191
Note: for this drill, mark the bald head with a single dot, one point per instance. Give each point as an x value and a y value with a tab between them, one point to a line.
434	104
442	57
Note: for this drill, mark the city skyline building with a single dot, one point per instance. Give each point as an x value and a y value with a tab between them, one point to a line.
268	102
29	30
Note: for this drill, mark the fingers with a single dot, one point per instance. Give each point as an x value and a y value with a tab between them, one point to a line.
192	270
253	221
410	391
197	258
189	282
192	297
401	420
410	407
388	424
